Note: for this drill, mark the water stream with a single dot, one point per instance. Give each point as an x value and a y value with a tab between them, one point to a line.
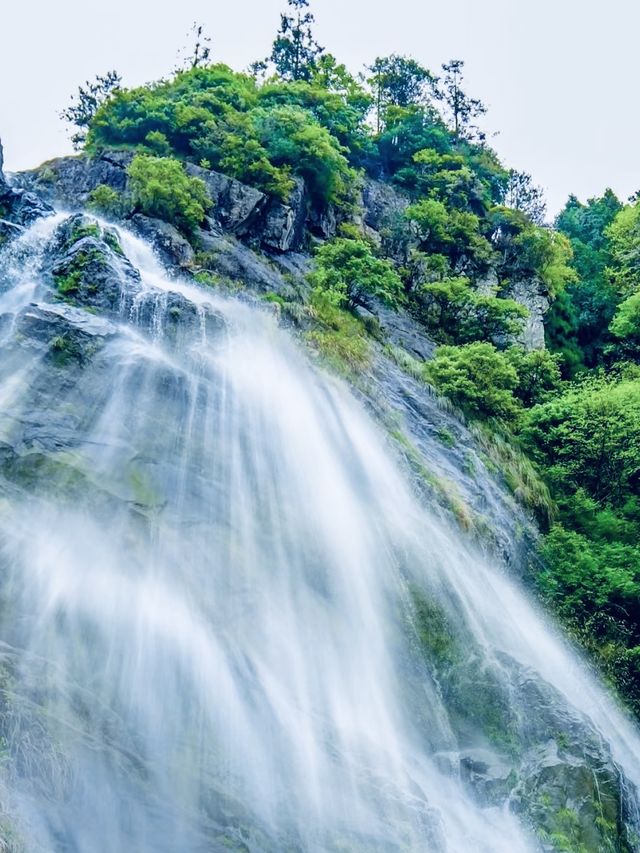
208	612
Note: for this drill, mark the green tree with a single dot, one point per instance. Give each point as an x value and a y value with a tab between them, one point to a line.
579	323
450	232
477	378
160	187
538	374
522	194
295	51
398	81
624	237
350	274
461	109
452	309
589	438
85	104
626	325
199	52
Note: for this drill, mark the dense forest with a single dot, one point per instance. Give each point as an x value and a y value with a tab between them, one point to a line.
469	230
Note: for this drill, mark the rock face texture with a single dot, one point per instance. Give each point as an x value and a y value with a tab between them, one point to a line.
18	207
532	294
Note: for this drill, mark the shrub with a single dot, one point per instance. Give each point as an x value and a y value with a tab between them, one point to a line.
160	187
350	274
455	311
477	378
107	201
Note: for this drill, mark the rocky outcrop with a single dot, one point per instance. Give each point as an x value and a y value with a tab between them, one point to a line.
531	294
18	207
244	211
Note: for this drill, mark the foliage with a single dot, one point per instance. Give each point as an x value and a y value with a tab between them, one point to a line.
578	323
397	81
454	310
461	109
291	135
105	200
538	374
477	378
349	274
522	194
528	251
624	239
450	232
160	187
86	102
626	325
340	338
589	438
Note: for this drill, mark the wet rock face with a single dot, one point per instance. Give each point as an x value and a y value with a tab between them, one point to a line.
18	207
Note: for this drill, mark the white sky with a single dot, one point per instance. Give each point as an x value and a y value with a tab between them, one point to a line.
560	76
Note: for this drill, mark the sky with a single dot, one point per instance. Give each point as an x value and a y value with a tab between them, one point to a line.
559	76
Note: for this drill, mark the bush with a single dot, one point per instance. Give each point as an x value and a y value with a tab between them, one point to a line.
455	311
477	378
589	437
160	187
538	374
107	201
350	274
626	325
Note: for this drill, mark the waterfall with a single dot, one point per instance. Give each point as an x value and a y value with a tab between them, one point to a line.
213	569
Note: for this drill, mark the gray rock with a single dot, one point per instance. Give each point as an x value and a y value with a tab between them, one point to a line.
381	202
174	249
532	294
284	223
18	206
69	181
236	206
234	262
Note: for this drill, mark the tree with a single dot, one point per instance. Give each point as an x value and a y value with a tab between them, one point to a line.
398	81
626	324
590	438
538	374
624	236
295	51
85	104
521	194
200	53
350	274
461	108
453	310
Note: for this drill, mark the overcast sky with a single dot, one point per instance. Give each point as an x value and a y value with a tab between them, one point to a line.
560	76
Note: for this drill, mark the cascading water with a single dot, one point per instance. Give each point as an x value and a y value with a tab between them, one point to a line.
210	576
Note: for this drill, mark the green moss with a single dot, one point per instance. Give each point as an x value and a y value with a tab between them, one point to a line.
68	283
446	437
112	242
434	630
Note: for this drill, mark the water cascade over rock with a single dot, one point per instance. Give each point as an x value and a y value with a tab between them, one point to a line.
229	622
